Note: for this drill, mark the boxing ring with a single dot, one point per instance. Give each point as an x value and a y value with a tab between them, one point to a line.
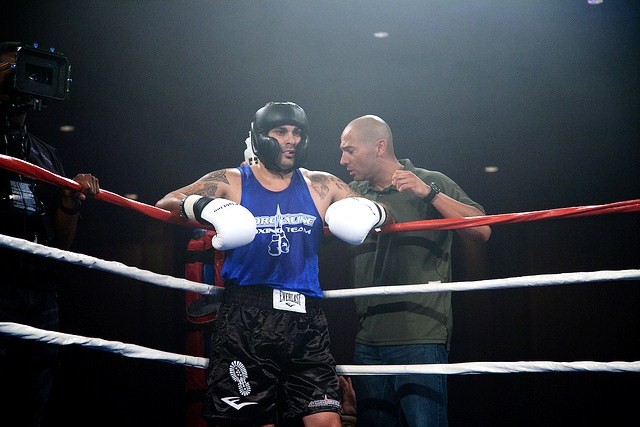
136	351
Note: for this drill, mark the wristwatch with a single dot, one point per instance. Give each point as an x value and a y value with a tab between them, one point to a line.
434	191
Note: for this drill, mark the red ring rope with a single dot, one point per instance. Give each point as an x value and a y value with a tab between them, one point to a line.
27	169
36	172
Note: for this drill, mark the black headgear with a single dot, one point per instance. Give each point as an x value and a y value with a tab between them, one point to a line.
270	116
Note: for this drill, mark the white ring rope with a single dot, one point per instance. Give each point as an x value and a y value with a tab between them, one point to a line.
201	288
127	350
136	351
110	266
510	282
489	368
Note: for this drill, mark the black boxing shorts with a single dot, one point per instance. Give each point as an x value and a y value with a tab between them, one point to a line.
268	365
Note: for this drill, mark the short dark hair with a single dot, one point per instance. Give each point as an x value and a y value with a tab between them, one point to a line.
10	46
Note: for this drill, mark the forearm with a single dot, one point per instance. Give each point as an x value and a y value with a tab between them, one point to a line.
406	181
451	208
65	221
214	184
172	201
67	212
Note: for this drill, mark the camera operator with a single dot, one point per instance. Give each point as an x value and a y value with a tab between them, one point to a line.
38	212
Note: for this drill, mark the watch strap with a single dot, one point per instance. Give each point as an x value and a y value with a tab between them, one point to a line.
432	193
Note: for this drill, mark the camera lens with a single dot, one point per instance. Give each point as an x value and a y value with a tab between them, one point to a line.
38	74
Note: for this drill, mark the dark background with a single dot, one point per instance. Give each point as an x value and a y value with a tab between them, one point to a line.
163	92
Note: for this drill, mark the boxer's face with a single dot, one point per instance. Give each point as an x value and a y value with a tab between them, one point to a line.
289	138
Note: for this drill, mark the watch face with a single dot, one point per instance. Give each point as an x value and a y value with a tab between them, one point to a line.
434	187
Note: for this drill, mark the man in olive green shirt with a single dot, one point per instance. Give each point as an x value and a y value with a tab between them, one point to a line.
403	329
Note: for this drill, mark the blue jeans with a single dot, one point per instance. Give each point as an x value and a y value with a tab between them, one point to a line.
412	400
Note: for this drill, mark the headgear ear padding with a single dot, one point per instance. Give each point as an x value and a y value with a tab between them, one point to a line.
272	115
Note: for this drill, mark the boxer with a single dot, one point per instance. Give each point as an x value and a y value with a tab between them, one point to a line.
270	360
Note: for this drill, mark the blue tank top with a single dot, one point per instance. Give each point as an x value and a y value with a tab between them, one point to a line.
284	254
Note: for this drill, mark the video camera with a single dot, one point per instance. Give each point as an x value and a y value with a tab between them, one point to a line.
41	74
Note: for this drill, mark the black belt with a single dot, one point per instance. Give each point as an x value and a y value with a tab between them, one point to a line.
260	296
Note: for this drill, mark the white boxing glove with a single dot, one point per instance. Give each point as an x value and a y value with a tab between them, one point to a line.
235	225
351	219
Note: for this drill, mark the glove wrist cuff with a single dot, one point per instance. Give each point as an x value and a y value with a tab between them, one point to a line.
382	213
193	205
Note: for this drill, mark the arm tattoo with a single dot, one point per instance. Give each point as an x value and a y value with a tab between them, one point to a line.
342	186
210	183
320	185
351	193
220	176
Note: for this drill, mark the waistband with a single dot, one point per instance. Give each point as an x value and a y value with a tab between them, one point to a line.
260	296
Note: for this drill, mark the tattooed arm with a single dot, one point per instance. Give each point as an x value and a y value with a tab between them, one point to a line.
326	189
221	183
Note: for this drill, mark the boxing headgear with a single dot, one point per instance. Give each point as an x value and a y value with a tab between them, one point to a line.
272	115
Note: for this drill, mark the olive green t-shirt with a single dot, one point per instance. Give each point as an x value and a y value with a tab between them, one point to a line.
404	258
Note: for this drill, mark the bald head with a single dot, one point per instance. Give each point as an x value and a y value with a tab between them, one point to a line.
367	149
370	129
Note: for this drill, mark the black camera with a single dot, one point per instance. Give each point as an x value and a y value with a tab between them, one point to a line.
41	74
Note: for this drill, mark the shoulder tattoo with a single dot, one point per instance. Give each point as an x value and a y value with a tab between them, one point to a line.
322	185
217	176
209	183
